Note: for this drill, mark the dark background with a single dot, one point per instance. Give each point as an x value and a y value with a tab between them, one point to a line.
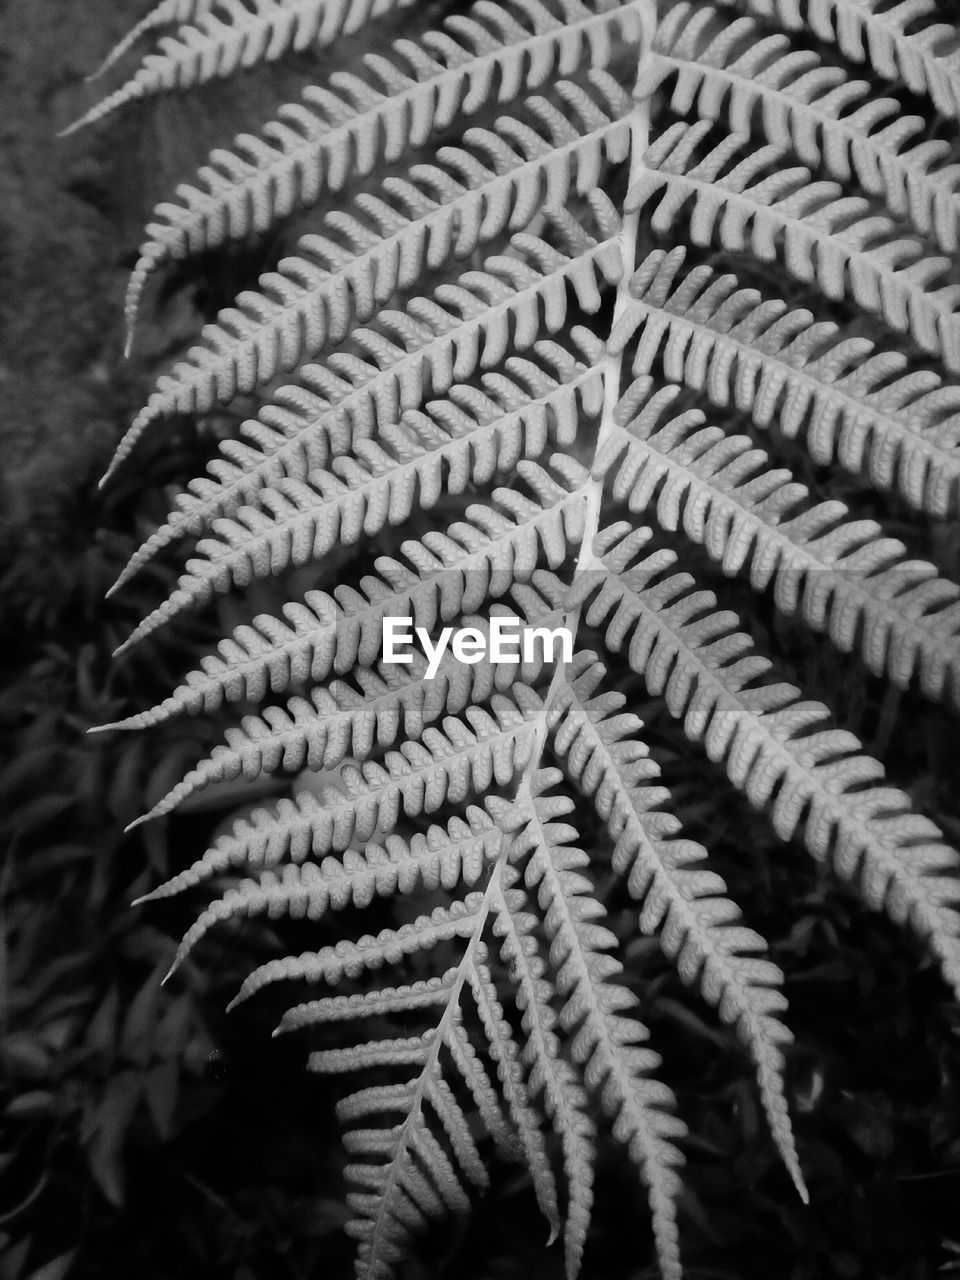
142	1132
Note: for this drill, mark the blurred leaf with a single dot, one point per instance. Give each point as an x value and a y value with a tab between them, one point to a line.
56	1269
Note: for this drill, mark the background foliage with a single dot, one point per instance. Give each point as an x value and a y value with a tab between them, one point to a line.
142	1132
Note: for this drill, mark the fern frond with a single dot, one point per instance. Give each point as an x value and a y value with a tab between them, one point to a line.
550	1074
840	576
417	778
686	906
386	242
469	754
604	1041
232	35
321	731
445	574
442	857
776	748
466	440
167	13
751	202
433	342
343	132
378	1003
850	402
925	59
412	1177
508	1059
735	71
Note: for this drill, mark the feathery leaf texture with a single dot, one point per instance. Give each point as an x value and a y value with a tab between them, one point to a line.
513	364
752	202
219	39
840	576
851	403
925	59
733	71
441	210
343	132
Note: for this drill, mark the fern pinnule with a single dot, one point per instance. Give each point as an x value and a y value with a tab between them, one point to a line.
479	744
233	35
752	202
686	906
166	13
466	440
734	71
433	343
604	1041
343	132
775	747
440	857
853	404
439	210
839	576
351	958
376	1003
925	59
447	573
507	1056
335	723
549	1074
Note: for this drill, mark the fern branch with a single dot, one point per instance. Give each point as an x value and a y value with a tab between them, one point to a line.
832	241
687	907
447	573
232	35
775	747
440	210
840	576
467	440
853	404
435	341
320	733
166	13
604	1041
469	754
925	60
734	71
344	132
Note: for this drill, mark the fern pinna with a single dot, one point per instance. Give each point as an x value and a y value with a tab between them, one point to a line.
543	302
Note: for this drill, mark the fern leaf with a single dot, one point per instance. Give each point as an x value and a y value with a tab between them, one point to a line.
466	440
474	558
853	404
697	923
322	731
415	775
604	1040
442	857
166	13
386	242
549	1073
734	71
836	242
232	35
481	746
379	1003
925	60
775	747
839	576
507	1056
343	132
433	342
348	958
